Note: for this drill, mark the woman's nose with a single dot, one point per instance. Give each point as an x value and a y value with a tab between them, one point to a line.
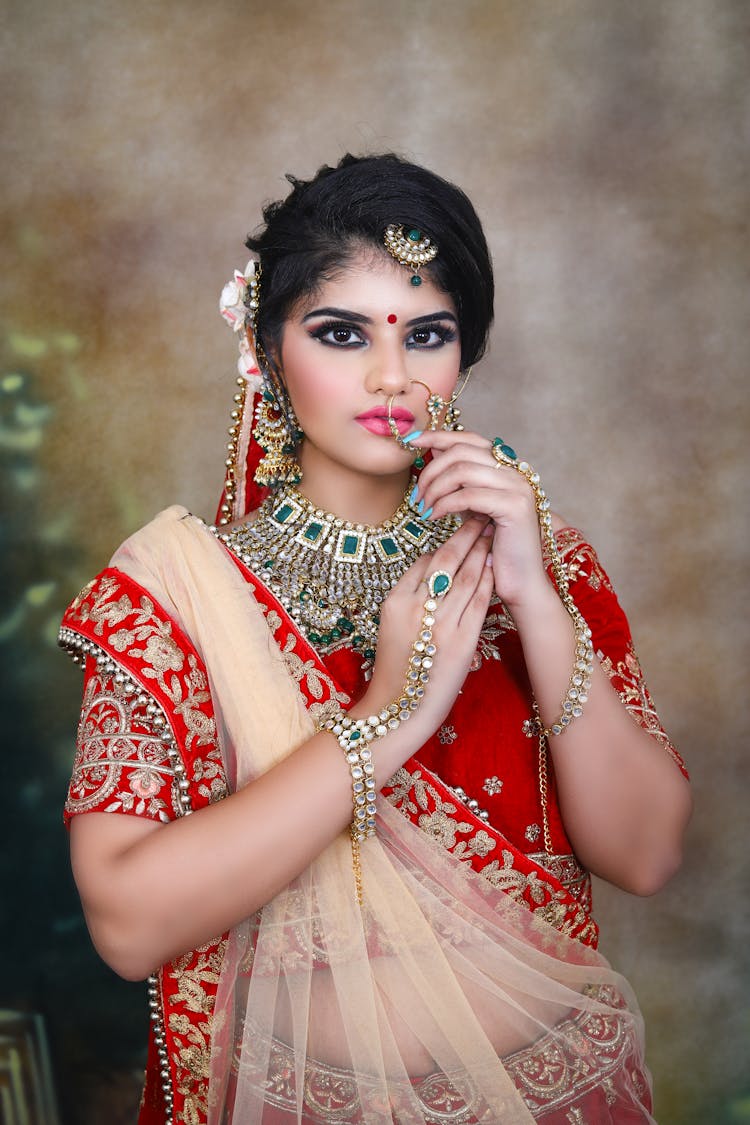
387	372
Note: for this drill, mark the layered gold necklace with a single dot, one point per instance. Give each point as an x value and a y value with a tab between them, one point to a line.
332	576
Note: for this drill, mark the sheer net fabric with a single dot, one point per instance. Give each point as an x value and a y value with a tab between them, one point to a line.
442	999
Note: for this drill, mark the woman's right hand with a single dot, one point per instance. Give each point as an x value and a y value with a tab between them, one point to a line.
459	618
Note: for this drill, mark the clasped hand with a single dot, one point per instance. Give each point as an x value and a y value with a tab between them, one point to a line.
497	548
463	477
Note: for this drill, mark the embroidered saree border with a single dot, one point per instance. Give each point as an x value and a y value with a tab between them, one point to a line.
583	1060
422	797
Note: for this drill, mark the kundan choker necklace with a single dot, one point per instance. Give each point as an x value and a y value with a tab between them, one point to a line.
330	575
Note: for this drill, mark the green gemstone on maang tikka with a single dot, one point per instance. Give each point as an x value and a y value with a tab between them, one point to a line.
416	280
414	235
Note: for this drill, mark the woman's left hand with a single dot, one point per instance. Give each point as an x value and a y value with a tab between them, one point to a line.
464	477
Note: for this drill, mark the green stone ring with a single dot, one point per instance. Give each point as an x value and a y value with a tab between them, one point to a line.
439	583
502	452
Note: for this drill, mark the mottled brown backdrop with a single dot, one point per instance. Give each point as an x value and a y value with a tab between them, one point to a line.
605	146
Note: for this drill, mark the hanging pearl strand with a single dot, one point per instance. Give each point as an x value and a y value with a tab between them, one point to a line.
230	478
583	660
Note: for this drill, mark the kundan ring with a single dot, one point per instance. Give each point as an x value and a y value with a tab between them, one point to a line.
439	583
503	453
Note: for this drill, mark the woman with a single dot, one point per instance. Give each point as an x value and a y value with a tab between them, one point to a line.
394	611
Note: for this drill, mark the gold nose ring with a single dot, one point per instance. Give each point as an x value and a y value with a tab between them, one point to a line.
395	433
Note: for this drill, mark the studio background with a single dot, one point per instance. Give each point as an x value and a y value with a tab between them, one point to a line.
603	144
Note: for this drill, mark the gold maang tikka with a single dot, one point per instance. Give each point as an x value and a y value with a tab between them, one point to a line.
412	249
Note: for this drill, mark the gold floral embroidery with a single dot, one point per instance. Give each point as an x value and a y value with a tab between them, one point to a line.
411	792
447	734
627	679
492	785
497	622
121	764
581	560
315	679
189	990
162	656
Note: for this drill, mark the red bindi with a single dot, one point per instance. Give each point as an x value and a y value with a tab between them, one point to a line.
392	318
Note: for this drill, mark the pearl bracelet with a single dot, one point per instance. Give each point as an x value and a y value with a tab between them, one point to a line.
354	736
583	660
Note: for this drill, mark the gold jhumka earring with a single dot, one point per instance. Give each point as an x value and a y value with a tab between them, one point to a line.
277	432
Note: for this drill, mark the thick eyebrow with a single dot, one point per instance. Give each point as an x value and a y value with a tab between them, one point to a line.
432	318
359	318
342	314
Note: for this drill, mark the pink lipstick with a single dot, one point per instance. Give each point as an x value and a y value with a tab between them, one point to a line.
376	420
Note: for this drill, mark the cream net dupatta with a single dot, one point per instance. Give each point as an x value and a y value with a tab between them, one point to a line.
438	974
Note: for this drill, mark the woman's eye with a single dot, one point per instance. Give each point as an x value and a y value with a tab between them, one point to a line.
338	335
431	337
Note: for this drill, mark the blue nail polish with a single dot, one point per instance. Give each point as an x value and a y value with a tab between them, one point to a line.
413	436
426	515
413	494
420	507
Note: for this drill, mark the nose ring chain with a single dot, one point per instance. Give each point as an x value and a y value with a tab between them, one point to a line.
436	404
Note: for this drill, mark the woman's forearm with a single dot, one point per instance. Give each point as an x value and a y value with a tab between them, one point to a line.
152	891
624	803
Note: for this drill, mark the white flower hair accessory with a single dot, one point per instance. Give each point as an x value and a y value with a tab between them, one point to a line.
238	305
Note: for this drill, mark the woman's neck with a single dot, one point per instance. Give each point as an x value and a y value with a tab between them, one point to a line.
350	495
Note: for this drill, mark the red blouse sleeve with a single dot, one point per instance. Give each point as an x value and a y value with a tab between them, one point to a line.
147	743
121	763
613	643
